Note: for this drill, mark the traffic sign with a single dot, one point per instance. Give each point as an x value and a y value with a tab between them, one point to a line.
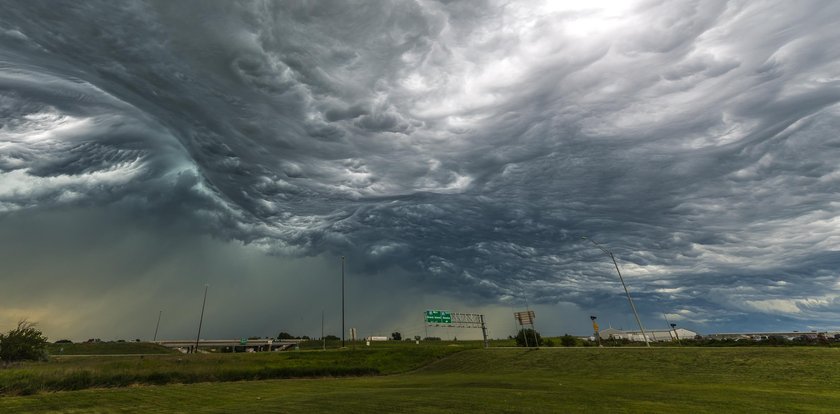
525	318
438	316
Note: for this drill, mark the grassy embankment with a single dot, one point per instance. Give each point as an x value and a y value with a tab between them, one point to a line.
107	348
67	372
711	380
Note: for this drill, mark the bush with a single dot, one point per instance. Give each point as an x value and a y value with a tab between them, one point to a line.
568	340
522	341
23	343
776	340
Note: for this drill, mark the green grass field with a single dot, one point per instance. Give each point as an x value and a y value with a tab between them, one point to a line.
705	380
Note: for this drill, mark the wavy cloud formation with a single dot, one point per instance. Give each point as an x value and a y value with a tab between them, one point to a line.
468	144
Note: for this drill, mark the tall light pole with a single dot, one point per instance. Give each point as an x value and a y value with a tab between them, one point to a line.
157	326
629	299
674	327
201	319
342	301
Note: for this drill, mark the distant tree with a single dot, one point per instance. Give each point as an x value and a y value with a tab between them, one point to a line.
568	340
416	337
285	335
431	338
396	336
331	338
521	341
23	343
63	341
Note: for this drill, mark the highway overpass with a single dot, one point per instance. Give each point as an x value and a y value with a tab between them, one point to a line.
251	345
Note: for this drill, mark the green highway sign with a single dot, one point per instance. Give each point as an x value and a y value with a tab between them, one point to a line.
438	316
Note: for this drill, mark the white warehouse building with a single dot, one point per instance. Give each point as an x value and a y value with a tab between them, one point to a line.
654	335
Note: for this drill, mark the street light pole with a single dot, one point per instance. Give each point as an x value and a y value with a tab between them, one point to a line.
674	327
342	301
201	319
157	326
629	299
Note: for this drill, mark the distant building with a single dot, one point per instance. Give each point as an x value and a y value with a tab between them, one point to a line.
761	336
654	335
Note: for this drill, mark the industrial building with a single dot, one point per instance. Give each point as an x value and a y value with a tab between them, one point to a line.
654	335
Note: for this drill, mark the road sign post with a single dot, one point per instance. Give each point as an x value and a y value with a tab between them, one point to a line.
527	318
457	320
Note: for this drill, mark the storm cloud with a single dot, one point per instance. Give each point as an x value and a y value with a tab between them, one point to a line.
453	148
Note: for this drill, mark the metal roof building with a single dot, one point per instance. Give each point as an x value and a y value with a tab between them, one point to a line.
655	335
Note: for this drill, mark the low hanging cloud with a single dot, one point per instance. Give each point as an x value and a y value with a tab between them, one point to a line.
469	145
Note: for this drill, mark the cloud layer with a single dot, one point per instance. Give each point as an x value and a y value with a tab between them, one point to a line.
468	145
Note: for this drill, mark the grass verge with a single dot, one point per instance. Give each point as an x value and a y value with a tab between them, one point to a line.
695	380
63	374
107	348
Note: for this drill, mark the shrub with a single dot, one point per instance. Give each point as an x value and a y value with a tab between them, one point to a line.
23	343
568	340
522	341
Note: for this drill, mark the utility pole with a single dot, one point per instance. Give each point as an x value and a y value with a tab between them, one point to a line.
201	319
323	339
342	301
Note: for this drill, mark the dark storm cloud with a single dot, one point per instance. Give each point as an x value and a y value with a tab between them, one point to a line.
468	144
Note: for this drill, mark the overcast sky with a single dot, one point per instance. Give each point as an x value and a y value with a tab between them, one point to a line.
454	152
